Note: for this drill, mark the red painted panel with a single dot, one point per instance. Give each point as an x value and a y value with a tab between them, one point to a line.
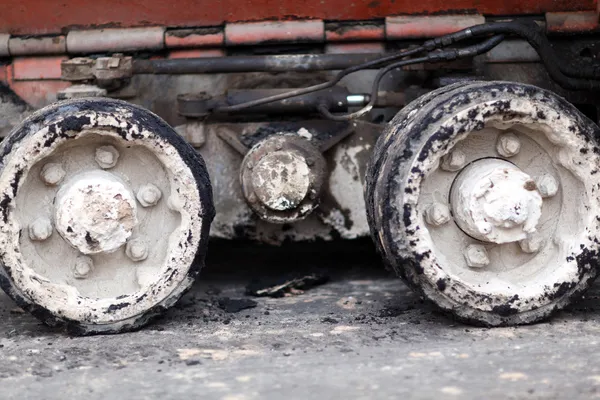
52	16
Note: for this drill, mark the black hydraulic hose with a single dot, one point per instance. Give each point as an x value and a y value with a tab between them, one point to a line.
322	86
447	55
566	76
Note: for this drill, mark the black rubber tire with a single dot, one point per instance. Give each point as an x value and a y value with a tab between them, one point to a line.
415	134
71	116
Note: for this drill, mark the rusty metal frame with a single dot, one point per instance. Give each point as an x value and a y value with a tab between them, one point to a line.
62	15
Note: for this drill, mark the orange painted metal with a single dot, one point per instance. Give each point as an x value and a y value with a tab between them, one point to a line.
36	93
35	68
41	17
419	27
575	22
254	33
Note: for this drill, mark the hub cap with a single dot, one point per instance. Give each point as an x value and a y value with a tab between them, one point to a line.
95	212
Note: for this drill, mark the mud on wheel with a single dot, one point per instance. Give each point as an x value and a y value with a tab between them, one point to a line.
104	215
484	198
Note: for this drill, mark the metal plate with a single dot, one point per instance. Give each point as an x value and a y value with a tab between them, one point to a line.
85	14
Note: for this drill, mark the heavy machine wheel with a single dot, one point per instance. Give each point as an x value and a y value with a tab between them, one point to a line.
104	215
484	198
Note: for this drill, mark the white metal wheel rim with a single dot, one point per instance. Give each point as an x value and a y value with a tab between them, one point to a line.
435	266
62	300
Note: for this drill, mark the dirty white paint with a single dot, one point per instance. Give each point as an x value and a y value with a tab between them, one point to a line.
346	186
95	212
546	147
494	201
281	180
163	278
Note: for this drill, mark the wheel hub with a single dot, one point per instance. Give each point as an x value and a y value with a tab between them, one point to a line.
95	212
281	180
494	201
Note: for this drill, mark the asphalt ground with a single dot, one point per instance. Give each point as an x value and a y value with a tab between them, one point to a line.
361	335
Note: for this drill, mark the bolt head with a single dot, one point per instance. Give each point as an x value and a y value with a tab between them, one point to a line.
136	250
52	174
454	161
508	145
148	195
107	156
437	214
532	244
476	256
83	267
547	186
40	229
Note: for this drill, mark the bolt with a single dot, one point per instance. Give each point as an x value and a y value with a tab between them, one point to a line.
532	244
453	161
508	145
107	156
137	250
83	266
40	229
52	174
476	256
148	195
437	214
547	185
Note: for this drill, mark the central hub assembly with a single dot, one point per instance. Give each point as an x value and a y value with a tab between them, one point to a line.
494	201
95	212
282	177
281	180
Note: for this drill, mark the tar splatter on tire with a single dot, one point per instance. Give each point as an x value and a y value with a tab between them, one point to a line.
104	215
517	283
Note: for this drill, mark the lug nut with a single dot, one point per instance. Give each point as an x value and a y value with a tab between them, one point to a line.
107	156
531	244
476	256
137	250
437	214
83	267
547	186
40	229
148	195
453	161
52	174
508	145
